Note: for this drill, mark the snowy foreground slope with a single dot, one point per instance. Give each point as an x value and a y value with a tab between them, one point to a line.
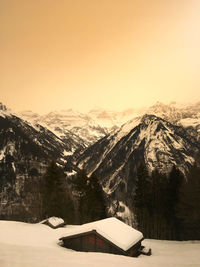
28	245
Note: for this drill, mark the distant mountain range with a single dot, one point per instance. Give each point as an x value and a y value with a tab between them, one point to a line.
87	128
109	144
90	127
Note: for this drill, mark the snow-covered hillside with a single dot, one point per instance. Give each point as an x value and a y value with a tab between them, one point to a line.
36	245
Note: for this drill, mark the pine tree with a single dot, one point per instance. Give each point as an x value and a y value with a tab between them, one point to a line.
158	198
175	180
56	197
91	203
80	186
81	183
156	203
189	206
96	199
141	199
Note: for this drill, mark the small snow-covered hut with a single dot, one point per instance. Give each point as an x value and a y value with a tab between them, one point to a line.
108	235
54	222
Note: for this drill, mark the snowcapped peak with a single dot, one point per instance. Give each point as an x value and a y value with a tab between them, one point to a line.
146	119
127	127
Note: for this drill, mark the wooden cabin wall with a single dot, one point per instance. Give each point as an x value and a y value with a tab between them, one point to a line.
88	243
73	243
91	243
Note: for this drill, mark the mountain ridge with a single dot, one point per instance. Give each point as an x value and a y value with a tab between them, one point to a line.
149	140
98	122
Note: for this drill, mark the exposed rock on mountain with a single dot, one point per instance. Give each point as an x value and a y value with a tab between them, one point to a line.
25	151
70	124
149	139
86	129
185	115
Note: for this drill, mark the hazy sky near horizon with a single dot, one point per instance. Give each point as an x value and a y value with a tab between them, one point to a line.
114	54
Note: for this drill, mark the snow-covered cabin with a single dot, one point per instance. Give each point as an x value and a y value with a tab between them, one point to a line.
54	222
108	235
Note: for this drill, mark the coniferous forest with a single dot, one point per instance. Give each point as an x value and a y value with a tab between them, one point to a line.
80	202
165	206
168	206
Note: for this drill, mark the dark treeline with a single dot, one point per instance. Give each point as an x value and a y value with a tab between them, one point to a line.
48	195
80	202
91	202
168	206
57	199
165	206
77	200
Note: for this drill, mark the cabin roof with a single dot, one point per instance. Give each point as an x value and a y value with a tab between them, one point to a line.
54	222
114	230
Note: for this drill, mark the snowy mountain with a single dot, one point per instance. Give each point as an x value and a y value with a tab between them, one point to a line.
85	128
57	125
25	151
149	139
68	123
90	127
173	112
163	144
108	118
187	115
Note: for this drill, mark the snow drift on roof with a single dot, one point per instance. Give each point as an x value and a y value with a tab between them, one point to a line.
119	233
53	222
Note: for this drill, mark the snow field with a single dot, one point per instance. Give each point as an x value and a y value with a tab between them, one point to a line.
36	245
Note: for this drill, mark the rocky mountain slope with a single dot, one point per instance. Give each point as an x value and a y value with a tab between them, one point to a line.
149	139
25	151
187	115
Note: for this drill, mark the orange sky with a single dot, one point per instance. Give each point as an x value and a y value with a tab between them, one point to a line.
115	54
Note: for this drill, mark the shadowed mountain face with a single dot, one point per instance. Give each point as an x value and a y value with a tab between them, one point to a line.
25	151
148	139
